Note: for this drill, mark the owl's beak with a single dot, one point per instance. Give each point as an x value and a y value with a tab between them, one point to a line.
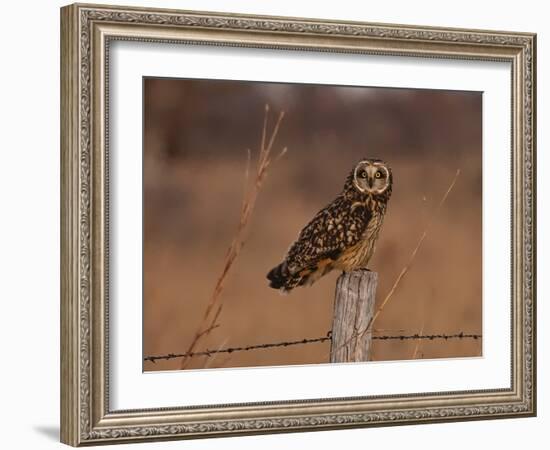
370	182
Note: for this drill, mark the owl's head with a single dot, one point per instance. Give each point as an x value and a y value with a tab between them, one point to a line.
372	176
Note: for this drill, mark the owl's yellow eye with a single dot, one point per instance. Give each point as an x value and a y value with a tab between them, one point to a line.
378	174
363	174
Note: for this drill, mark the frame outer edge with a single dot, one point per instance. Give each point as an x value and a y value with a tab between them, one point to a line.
533	231
535	165
79	228
69	429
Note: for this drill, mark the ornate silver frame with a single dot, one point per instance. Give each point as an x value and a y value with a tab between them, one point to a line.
86	31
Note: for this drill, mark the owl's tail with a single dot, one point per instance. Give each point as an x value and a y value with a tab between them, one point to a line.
278	276
281	278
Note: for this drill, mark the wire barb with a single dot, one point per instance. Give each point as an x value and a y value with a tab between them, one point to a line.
327	337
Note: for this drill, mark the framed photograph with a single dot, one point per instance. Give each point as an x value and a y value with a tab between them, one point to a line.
275	224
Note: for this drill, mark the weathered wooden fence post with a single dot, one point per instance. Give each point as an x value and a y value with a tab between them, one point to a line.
353	311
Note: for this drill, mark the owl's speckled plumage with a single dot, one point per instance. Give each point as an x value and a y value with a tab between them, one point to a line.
343	234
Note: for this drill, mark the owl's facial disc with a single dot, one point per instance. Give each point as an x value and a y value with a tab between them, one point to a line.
371	177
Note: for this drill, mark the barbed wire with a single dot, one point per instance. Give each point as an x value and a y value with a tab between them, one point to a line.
327	337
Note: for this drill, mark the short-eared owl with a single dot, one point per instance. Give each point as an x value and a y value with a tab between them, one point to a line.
343	234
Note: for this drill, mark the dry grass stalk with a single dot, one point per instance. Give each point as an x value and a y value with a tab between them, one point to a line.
224	361
209	360
421	333
409	262
213	309
419	341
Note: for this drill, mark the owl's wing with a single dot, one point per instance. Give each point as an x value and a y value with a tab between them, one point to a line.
334	229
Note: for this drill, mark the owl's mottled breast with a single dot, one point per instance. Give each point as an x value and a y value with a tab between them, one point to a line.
359	255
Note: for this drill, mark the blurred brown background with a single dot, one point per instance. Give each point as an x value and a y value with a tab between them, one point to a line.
195	140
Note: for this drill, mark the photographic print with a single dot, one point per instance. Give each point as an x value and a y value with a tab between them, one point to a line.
292	224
